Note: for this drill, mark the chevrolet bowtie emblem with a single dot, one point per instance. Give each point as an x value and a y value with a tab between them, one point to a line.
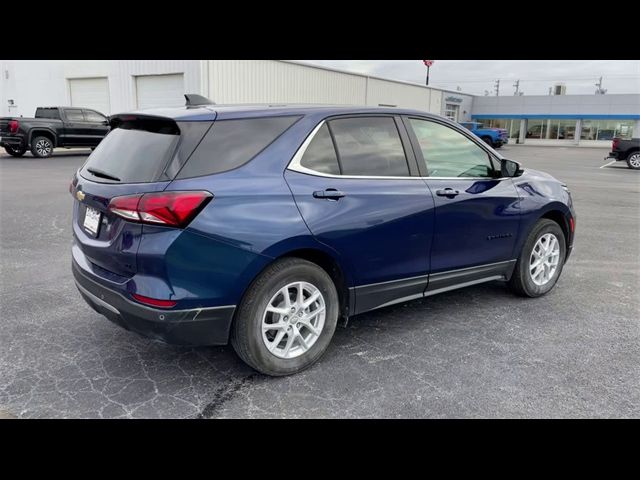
79	195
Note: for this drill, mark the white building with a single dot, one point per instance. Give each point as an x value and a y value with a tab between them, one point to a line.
113	86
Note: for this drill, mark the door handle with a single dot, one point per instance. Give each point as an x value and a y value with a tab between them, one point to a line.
447	192
329	193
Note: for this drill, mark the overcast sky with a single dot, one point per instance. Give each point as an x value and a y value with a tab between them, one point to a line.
476	76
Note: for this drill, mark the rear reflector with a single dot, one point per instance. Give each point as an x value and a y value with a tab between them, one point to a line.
174	209
154	302
572	224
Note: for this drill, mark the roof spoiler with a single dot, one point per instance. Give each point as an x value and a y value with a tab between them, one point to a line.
193	100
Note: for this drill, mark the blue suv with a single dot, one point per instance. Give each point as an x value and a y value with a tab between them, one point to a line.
263	225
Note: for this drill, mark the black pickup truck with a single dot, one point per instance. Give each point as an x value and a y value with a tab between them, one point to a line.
628	150
52	127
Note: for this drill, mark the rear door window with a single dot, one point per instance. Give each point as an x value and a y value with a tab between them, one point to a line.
134	152
232	143
369	146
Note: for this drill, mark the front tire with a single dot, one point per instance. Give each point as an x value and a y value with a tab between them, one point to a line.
541	260
41	147
287	318
488	141
15	151
633	161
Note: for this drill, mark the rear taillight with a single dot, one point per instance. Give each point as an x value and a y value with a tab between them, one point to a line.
13	126
615	143
174	209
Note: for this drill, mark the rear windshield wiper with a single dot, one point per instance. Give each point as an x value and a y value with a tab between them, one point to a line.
100	173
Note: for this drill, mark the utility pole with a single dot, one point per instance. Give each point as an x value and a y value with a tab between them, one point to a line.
517	85
428	63
497	87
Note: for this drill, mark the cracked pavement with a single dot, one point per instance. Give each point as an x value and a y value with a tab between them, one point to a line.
477	352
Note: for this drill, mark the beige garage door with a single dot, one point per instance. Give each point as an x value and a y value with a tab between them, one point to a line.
90	93
154	91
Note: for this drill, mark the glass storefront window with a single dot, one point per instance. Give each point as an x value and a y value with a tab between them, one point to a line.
512	126
606	129
567	129
536	128
588	131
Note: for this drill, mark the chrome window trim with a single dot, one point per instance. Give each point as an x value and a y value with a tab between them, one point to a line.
295	165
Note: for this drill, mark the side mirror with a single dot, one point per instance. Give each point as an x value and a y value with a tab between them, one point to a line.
509	168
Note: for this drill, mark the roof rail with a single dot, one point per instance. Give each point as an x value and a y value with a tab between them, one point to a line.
193	99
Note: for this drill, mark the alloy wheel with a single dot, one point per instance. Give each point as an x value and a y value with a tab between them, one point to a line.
43	147
293	320
544	259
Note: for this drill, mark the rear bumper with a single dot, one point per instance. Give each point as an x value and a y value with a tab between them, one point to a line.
16	142
613	155
197	326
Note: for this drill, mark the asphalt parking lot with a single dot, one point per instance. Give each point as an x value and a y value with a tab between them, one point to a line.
478	352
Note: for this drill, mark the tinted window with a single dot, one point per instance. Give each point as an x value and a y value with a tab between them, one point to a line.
448	153
74	115
131	155
320	154
369	146
232	143
91	116
48	113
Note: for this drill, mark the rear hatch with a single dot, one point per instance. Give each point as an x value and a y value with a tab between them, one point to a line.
141	154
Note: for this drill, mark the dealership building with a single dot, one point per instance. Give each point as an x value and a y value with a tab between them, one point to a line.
112	86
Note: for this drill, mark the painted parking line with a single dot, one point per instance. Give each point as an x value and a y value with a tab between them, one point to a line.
610	163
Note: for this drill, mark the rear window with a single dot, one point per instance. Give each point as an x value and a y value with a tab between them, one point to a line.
48	113
133	152
232	143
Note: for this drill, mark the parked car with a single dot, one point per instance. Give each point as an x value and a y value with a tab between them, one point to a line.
263	225
496	137
628	150
52	127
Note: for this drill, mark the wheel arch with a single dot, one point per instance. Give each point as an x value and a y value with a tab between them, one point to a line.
631	151
43	132
560	217
333	268
307	248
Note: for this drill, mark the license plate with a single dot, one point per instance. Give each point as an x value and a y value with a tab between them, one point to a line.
92	221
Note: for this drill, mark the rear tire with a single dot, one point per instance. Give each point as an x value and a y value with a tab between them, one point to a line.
15	152
633	161
527	279
41	147
488	141
281	351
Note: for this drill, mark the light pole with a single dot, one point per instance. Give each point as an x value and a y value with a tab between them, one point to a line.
428	64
